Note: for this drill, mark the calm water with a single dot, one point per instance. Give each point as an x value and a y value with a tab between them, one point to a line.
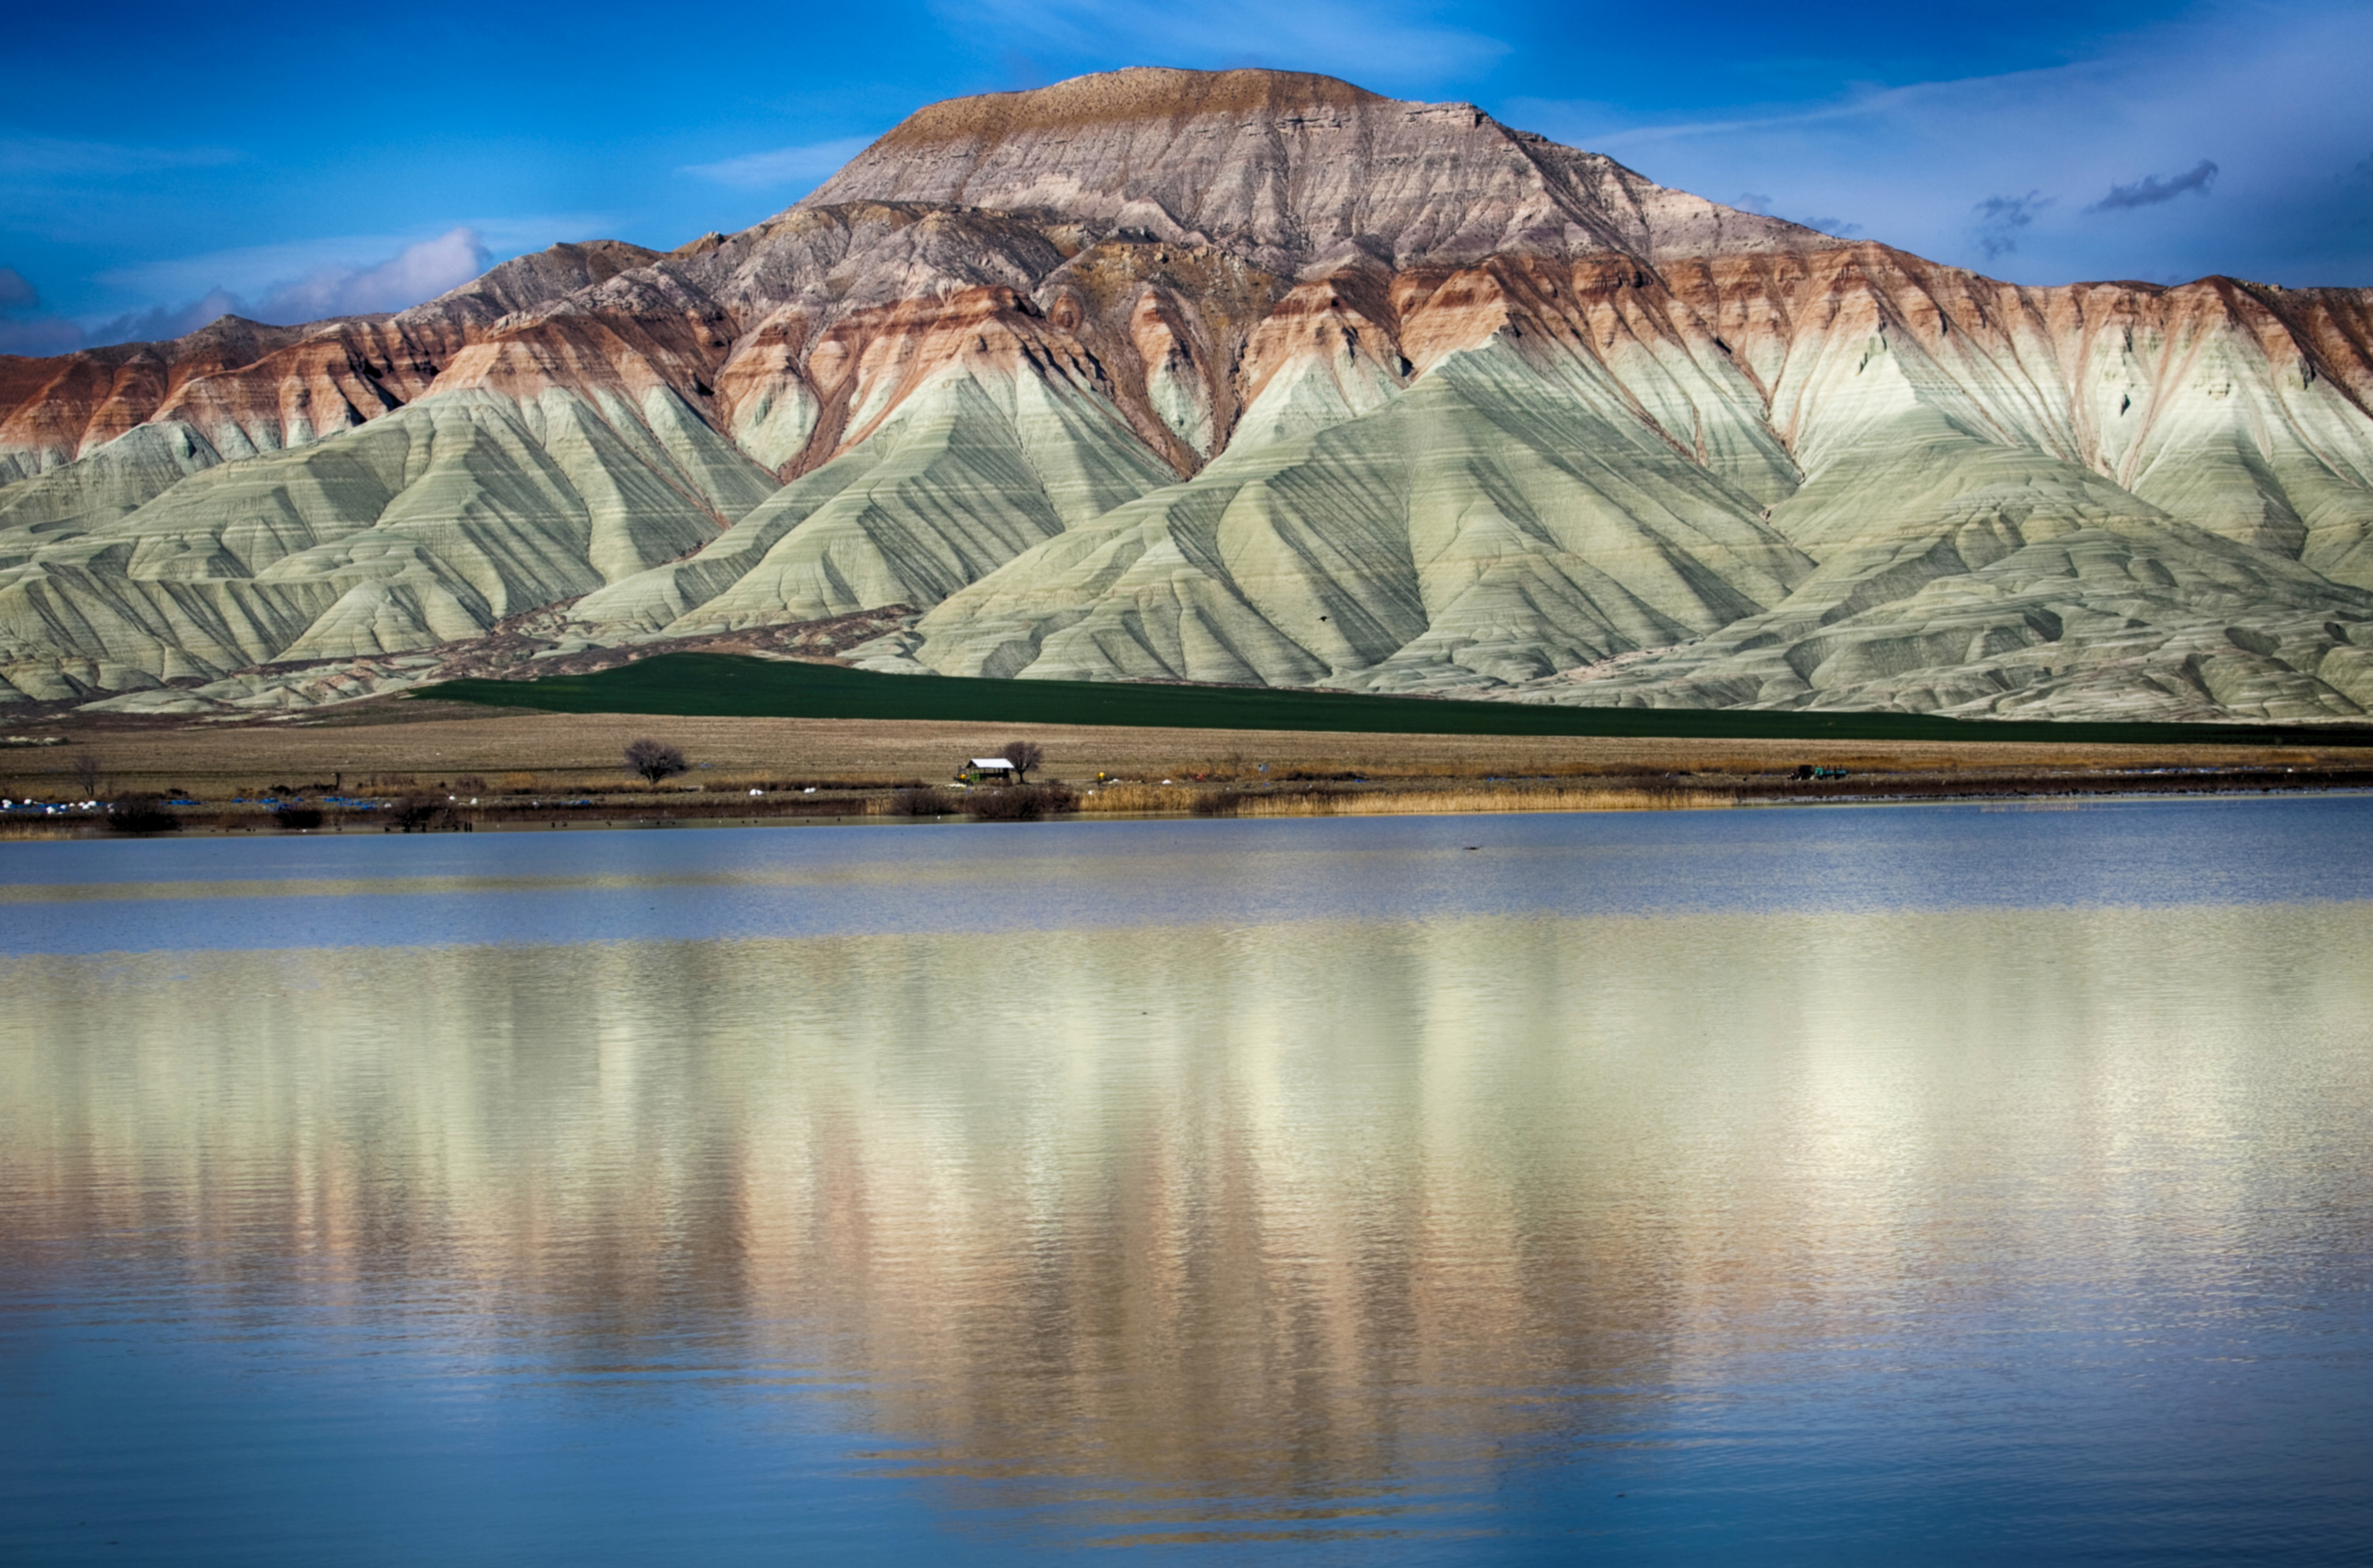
1774	1187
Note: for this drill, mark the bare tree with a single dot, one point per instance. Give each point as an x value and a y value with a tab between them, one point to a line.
655	761
1024	755
85	773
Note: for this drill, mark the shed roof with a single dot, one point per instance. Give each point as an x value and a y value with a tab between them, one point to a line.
992	762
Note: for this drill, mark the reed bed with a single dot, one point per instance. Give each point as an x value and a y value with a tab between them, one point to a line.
24	832
1325	801
1144	797
1400	802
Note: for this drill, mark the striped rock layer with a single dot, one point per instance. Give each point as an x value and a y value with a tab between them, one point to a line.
1242	376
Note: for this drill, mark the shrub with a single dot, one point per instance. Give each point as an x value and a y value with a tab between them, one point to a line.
921	802
1019	803
297	819
424	814
142	814
655	761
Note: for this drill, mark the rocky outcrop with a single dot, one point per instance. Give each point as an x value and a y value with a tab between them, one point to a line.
1244	377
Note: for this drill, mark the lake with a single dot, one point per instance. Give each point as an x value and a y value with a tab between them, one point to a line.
1810	1186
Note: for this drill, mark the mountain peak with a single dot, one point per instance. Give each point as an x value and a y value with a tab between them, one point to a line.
1287	170
1133	93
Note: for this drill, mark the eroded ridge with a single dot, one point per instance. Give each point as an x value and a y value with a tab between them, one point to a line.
1242	376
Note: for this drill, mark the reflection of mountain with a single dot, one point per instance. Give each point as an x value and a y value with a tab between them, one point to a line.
1192	1223
1245	377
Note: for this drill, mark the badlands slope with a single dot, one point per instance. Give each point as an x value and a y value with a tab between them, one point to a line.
1244	377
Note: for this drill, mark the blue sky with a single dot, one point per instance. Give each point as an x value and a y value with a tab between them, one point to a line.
160	166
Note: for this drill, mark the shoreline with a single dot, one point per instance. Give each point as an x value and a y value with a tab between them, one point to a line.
1370	803
453	768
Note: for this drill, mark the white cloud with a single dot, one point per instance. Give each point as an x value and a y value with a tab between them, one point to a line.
352	267
1997	171
243	282
806	165
414	274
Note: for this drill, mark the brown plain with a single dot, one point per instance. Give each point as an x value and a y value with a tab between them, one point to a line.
388	746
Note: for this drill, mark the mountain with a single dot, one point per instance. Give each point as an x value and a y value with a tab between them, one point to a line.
1241	377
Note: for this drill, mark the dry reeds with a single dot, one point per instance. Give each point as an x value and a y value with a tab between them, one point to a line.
1384	803
1142	797
23	832
1336	801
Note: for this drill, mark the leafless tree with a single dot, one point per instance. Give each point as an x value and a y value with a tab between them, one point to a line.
85	773
1024	755
655	761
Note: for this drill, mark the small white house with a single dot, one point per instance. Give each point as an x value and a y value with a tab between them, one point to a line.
988	769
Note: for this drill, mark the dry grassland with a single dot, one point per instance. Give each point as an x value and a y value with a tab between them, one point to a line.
522	763
392	745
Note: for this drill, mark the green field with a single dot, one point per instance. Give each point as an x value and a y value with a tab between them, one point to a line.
723	685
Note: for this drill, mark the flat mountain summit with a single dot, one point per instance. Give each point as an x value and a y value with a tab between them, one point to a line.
1243	376
1287	171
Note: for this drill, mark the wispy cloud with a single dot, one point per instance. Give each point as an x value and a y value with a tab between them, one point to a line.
1751	202
416	272
25	327
2150	190
289	273
805	165
161	322
48	157
2273	86
1866	104
2000	217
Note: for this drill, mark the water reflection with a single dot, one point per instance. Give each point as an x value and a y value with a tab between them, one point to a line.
1258	1231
